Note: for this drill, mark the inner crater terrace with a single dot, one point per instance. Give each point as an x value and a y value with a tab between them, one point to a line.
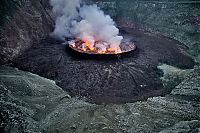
100	66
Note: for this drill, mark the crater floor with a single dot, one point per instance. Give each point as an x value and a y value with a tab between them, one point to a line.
125	79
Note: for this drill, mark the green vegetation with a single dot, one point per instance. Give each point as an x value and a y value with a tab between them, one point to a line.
7	8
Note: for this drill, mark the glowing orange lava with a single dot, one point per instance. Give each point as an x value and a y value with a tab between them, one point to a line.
87	47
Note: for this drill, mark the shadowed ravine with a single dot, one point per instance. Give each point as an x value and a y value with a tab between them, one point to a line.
129	78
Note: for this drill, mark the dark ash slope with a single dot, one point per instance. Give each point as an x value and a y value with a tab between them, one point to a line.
133	77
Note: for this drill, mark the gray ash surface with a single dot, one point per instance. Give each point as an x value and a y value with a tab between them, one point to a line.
107	80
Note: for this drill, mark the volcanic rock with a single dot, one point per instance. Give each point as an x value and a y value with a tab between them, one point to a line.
28	24
126	79
30	103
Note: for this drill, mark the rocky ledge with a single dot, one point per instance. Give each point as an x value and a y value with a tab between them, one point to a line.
30	103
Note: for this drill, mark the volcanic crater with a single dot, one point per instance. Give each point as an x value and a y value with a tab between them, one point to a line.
102	78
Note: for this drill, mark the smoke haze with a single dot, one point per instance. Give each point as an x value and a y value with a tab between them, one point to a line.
85	22
65	12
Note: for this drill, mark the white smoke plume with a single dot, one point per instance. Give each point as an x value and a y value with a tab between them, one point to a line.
65	12
85	22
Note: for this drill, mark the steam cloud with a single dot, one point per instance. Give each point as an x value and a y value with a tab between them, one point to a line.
85	22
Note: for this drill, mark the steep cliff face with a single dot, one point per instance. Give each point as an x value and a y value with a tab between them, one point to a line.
177	19
29	24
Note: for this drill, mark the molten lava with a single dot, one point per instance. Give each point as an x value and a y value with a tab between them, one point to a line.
88	45
98	47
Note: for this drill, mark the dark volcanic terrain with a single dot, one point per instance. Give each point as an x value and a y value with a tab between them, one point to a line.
127	78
